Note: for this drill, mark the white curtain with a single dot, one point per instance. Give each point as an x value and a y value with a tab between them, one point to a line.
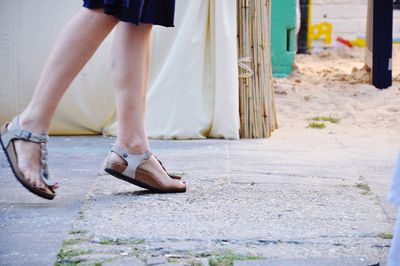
193	85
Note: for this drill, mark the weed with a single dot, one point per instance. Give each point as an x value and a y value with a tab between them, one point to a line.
107	242
172	260
64	256
386	235
333	120
81	214
75	253
316	125
364	187
66	264
195	263
78	232
136	242
73	241
227	258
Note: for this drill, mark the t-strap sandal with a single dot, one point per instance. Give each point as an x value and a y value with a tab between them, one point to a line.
134	175
14	132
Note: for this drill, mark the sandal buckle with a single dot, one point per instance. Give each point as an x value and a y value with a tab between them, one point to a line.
26	135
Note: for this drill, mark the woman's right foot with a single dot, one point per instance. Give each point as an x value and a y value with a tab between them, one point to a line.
154	167
149	173
29	163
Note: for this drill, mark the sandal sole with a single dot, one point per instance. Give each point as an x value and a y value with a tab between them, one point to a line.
138	183
30	188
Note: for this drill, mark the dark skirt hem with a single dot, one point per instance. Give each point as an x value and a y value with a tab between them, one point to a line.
119	14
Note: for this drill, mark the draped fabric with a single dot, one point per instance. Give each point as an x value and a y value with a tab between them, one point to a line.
157	12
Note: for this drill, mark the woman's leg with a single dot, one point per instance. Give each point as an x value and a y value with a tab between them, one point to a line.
76	44
131	60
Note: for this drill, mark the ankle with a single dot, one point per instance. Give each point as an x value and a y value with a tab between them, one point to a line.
32	123
135	147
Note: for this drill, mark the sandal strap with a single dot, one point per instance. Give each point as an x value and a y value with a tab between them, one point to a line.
163	167
44	169
133	160
16	132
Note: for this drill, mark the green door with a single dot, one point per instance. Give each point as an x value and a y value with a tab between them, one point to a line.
283	36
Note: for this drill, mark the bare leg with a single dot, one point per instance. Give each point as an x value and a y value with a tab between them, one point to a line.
131	59
76	44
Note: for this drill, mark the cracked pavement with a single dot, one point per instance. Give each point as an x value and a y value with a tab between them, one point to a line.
313	194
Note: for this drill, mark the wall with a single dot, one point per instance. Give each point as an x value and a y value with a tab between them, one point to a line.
346	17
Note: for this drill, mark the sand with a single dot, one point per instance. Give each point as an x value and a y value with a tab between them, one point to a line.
334	82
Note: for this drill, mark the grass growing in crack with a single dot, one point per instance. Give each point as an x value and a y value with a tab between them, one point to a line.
107	242
333	120
76	264
195	263
64	256
227	258
172	260
73	241
364	187
81	214
72	253
117	241
66	264
386	236
77	232
316	125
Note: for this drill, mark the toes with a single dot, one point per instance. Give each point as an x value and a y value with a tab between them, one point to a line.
29	180
32	181
41	185
46	189
55	186
181	184
38	184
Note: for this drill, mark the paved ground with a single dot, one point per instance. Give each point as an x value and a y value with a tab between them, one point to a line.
316	197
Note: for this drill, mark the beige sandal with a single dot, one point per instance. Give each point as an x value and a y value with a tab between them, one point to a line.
14	132
134	175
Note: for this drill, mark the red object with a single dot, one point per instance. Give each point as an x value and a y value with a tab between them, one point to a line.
345	42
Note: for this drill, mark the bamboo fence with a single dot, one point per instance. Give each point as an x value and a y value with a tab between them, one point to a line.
257	104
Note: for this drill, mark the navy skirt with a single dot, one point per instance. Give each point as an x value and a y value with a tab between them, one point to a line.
156	12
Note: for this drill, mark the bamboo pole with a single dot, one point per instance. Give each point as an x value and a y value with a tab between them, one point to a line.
256	98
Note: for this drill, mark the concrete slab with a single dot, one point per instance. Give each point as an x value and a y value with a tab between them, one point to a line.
285	197
308	262
32	229
288	197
